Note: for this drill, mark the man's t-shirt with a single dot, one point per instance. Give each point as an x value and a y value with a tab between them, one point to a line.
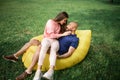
66	41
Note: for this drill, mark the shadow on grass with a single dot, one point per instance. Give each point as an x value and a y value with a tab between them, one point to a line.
114	2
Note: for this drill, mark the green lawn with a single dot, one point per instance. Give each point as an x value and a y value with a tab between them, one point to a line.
20	20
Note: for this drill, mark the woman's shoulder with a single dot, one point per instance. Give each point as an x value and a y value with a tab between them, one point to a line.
51	21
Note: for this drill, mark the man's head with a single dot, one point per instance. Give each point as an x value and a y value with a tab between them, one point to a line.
72	26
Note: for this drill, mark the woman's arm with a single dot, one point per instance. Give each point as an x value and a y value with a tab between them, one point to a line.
53	35
52	30
67	54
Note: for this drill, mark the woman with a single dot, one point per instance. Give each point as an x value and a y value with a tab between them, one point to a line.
51	34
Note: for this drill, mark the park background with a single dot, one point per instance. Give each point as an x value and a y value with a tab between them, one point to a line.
20	20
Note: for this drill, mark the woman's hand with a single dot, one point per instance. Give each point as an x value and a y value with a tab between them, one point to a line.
66	33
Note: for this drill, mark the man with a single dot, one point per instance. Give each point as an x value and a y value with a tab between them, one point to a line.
70	42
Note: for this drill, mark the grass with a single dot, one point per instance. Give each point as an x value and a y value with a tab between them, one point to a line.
20	20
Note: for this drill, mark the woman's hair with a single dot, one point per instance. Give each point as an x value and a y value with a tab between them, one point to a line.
60	17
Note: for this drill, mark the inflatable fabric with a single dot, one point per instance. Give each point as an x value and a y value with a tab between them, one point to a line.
78	55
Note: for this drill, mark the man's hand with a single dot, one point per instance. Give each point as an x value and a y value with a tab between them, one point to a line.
58	56
67	54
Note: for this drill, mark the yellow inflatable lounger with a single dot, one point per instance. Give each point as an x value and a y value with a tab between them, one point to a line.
78	55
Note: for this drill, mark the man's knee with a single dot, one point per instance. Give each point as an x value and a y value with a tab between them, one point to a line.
34	42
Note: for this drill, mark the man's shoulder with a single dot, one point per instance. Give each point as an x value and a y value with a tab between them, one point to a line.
76	38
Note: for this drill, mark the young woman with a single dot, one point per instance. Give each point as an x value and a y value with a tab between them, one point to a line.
51	34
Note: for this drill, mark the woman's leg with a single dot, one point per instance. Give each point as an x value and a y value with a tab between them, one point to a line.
53	53
44	47
52	59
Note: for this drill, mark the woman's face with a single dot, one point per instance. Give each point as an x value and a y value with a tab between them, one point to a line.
63	21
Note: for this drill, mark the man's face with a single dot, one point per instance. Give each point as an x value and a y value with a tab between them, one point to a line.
71	26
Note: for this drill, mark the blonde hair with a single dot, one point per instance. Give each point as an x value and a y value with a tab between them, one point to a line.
76	24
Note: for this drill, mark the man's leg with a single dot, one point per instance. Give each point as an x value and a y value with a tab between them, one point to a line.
14	57
28	71
34	60
26	46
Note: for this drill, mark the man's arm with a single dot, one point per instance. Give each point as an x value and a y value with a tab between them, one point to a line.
67	54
